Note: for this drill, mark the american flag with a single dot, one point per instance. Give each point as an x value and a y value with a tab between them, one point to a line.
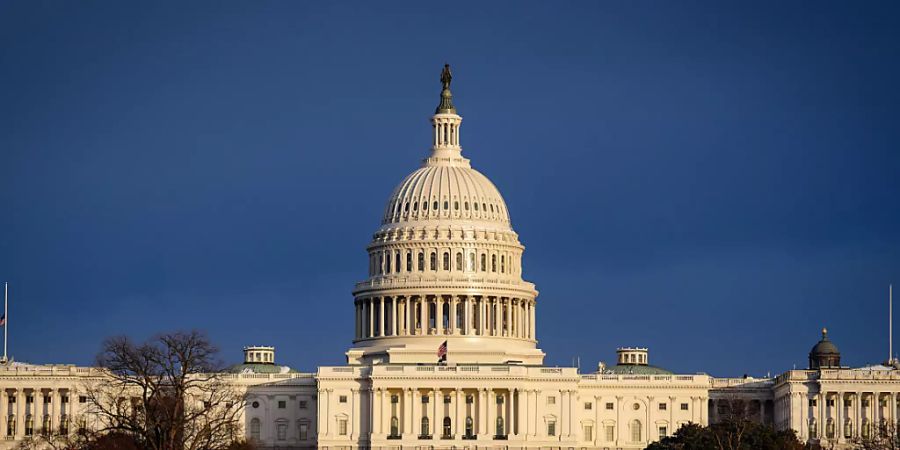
3	320
442	352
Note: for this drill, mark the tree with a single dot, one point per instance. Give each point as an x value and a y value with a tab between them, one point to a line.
167	393
731	434
886	437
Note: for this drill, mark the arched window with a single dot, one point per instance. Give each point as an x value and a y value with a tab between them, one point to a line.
416	206
466	206
829	429
484	207
459	262
471	262
397	262
494	263
813	428
425	426
395	427
433	261
483	262
409	265
848	428
864	429
281	427
387	263
303	429
470	424
636	432
254	429
456	205
503	264
500	429
435	205
447	431
421	261
446	204
476	205
425	205
446	260
406	207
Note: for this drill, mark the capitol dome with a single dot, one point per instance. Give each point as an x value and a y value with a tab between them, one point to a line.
445	267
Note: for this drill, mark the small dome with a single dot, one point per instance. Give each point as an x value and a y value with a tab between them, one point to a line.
824	353
446	192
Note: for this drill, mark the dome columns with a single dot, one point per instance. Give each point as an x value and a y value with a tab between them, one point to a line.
444	315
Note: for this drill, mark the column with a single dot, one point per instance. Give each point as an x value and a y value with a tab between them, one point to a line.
394	321
820	422
20	413
857	421
453	319
467	316
439	314
356	322
4	407
459	421
423	314
509	316
408	315
54	410
371	314
437	420
480	306
531	319
517	422
482	414
416	412
381	320
491	413
496	317
839	419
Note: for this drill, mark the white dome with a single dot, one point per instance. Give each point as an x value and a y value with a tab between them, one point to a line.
440	192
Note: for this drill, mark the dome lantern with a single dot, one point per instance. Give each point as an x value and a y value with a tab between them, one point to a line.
824	354
445	122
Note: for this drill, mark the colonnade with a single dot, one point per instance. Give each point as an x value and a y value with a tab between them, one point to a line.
467	315
840	415
30	411
455	413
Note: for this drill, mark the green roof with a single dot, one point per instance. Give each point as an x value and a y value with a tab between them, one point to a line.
635	369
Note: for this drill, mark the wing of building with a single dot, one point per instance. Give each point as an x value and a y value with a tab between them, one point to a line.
445	353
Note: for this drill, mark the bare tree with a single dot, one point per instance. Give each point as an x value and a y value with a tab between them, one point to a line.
885	437
167	393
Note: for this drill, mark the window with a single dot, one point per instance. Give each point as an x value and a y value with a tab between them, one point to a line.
684	406
470	431
424	399
829	429
610	407
446	430
500	429
829	402
81	399
395	399
342	399
551	428
466	206
663	406
471	262
475	204
342	427
499	399
447	399
409	265
551	400
397	262
281	430
433	261
446	261
425	427
421	262
636	406
848	403
282	404
446	204
302	404
663	432
254	429
459	262
636	431
812	402
483	262
387	264
470	399
395	427
589	432
588	406
456	206
303	427
255	404
610	433
848	428
865	403
503	264
494	263
435	205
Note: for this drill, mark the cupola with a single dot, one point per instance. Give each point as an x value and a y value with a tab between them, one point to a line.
824	354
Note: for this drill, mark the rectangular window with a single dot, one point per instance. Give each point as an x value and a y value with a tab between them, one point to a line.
663	406
302	404
470	399
588	406
610	433
447	399
609	407
499	399
812	402
663	432
281	429
551	428
829	402
424	399
342	427
282	404
684	406
588	433
304	431
848	403
551	400
395	399
82	399
865	403
342	399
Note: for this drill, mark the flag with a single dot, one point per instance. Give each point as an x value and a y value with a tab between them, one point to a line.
3	320
442	352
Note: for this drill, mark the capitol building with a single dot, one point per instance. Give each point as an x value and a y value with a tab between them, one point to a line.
444	353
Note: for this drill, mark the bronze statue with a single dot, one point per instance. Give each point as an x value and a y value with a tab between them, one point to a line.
446	76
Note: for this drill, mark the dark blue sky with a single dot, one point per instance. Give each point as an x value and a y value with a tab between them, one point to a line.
716	182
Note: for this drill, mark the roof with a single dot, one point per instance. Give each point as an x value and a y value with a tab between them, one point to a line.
824	346
636	369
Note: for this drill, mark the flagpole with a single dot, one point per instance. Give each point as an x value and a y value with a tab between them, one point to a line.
5	316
